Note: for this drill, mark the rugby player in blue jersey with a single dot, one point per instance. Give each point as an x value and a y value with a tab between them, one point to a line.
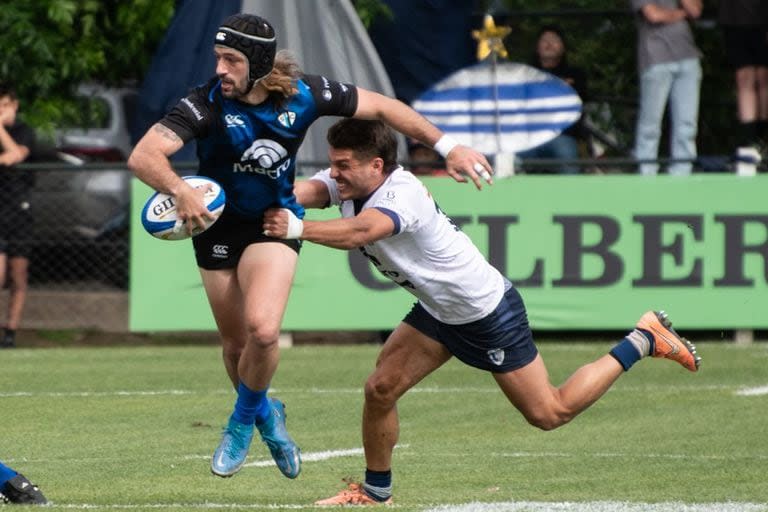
249	122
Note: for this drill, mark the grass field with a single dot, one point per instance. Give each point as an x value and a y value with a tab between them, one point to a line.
133	428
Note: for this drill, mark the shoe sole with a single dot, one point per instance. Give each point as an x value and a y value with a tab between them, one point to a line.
675	343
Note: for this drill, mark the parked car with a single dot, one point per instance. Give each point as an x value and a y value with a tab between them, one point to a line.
81	215
108	114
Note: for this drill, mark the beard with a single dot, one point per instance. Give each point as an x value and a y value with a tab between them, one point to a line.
232	90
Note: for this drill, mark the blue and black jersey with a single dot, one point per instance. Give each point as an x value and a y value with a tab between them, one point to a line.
251	149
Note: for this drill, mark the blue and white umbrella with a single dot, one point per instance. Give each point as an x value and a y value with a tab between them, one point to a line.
500	107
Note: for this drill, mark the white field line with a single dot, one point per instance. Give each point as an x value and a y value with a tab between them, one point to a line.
350	452
738	390
757	391
600	506
509	506
681	456
312	456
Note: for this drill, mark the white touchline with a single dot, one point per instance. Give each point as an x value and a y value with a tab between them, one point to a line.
738	390
508	506
599	506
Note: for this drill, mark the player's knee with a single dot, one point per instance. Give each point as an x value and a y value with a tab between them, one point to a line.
263	334
380	392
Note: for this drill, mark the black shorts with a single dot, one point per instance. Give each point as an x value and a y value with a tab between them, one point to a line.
746	46
16	231
499	343
223	243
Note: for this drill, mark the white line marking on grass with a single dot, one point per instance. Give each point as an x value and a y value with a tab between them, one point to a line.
319	456
760	390
312	456
600	506
509	506
683	456
166	392
182	506
738	390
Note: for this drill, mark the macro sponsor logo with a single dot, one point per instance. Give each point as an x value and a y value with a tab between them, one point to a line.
193	108
221	36
262	157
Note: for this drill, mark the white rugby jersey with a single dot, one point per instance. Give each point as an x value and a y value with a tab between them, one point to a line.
427	254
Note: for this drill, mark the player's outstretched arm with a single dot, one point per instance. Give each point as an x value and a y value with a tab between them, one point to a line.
462	162
370	225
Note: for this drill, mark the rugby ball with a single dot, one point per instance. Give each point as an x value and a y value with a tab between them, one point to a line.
159	213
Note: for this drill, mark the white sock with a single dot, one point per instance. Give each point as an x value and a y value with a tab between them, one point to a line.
640	342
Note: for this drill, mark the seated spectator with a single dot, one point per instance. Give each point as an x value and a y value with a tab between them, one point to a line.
551	57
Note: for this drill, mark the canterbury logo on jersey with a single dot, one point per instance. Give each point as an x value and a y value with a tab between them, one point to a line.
234	121
262	157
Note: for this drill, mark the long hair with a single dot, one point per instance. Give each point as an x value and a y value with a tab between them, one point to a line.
281	82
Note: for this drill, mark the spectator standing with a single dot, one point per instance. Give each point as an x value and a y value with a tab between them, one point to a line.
745	29
670	72
16	143
550	56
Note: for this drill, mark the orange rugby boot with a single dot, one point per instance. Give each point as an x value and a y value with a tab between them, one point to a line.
666	342
352	495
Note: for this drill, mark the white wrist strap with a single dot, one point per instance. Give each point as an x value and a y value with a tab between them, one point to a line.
295	226
444	145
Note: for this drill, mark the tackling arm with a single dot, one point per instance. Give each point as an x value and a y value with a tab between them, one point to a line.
370	225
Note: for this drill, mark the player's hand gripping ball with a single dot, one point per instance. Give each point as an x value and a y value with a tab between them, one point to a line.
159	214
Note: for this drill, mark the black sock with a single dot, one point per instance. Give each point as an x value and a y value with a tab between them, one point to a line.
747	133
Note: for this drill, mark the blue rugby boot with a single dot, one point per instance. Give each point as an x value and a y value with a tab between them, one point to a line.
229	457
284	451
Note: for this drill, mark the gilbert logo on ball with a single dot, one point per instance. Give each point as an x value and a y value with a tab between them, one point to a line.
159	213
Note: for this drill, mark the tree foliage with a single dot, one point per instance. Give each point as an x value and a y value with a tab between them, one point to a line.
50	46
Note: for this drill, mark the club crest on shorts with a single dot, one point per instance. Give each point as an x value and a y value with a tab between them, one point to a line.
496	356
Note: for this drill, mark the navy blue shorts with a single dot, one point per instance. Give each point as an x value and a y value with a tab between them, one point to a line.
499	343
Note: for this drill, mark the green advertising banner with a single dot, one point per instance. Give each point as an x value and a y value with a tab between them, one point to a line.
586	252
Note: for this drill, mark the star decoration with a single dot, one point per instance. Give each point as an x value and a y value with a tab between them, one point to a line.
490	39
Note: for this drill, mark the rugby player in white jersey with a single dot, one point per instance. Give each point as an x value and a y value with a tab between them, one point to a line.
465	307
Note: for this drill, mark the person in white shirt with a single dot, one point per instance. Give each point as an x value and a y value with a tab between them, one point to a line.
465	307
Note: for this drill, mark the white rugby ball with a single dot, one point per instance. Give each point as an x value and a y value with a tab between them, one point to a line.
159	214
